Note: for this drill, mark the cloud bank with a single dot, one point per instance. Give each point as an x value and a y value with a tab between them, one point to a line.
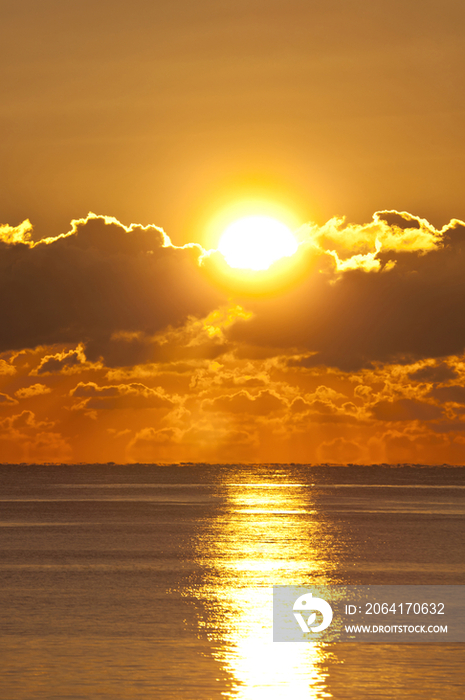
100	279
399	299
117	345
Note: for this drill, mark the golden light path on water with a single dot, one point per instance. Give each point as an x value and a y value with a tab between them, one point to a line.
265	537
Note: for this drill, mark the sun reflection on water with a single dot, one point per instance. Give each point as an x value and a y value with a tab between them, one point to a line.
265	535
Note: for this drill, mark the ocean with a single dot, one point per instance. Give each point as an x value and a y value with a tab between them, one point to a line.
153	582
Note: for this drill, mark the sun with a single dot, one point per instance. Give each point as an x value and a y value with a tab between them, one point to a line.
256	242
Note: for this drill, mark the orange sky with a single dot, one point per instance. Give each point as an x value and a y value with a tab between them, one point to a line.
118	347
158	112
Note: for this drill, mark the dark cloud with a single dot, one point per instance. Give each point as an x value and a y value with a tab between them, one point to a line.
435	374
127	295
404	410
6	400
60	361
123	350
402	220
100	280
450	425
453	393
301	362
242	402
352	319
119	396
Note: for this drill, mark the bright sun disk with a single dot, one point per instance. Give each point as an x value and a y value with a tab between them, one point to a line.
256	242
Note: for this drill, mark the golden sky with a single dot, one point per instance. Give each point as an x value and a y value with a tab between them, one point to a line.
121	344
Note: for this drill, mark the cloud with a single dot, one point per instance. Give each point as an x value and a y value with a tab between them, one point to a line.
151	437
453	393
24	438
352	319
20	421
405	410
16	234
441	372
359	357
354	245
32	390
99	280
243	402
6	400
299	406
6	367
62	361
422	447
196	339
339	451
47	446
372	293
135	396
199	442
321	406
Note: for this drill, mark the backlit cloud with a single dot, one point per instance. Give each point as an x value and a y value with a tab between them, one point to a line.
121	396
32	390
353	318
6	400
100	279
6	367
62	362
244	403
405	410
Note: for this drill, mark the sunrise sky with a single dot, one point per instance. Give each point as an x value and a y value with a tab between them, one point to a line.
125	336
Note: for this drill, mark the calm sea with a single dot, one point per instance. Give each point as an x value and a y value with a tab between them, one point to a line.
155	582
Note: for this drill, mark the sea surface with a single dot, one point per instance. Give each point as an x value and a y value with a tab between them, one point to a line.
155	581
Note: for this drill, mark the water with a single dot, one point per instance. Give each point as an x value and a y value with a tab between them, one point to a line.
145	581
